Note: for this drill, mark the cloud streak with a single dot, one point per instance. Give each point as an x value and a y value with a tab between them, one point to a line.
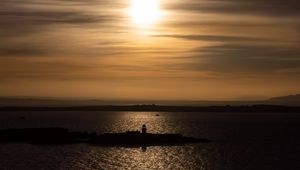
272	8
216	38
23	20
248	59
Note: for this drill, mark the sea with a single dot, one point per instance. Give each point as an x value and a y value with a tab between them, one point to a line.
241	141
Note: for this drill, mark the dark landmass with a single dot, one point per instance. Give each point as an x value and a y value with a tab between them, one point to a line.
159	108
277	104
53	102
292	100
64	136
286	100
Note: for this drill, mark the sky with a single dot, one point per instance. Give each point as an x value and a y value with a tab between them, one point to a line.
150	49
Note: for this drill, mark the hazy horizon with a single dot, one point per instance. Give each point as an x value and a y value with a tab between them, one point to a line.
145	98
245	98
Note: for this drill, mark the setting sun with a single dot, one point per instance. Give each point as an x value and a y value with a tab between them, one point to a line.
144	12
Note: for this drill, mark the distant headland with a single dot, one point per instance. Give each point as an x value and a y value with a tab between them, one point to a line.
289	103
161	108
290	100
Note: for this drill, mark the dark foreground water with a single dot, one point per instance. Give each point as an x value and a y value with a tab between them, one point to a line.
241	141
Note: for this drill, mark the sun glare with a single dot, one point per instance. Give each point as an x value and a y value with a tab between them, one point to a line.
144	12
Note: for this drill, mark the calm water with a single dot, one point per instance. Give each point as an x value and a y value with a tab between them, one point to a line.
242	141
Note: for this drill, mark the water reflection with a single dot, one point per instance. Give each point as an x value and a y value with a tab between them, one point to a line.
144	148
153	158
83	156
245	138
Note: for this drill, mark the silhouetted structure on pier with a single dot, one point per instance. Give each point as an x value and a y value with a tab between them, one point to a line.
144	129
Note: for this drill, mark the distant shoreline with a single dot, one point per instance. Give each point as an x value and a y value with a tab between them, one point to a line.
161	108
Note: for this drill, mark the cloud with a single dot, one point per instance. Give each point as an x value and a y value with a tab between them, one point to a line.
49	69
17	17
248	59
275	8
29	27
51	17
217	38
21	51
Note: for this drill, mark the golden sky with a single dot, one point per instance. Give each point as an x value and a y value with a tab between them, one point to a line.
150	49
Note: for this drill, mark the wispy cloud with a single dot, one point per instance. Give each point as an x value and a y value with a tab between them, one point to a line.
273	8
215	38
248	59
17	18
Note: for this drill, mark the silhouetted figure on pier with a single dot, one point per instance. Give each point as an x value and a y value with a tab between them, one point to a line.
144	129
